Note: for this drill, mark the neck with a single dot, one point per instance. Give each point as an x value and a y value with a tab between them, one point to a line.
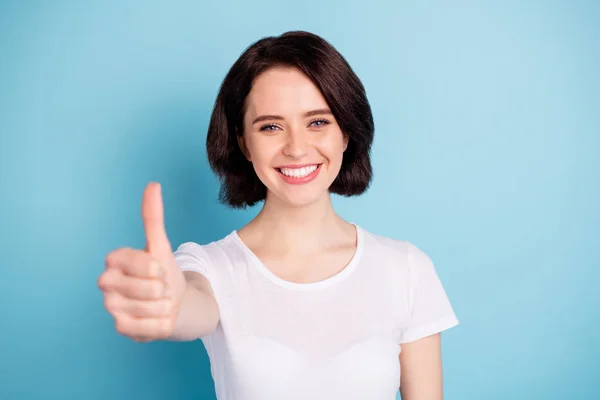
297	229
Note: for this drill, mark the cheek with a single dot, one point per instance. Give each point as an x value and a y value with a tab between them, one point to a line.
262	153
334	146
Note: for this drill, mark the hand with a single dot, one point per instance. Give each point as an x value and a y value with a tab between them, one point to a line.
143	288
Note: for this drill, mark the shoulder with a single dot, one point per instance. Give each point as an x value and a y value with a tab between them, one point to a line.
396	255
207	249
192	255
395	247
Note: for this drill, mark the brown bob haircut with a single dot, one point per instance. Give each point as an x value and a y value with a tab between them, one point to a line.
339	85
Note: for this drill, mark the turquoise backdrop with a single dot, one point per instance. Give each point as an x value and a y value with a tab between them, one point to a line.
486	156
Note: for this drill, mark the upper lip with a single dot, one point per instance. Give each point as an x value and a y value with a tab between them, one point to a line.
291	166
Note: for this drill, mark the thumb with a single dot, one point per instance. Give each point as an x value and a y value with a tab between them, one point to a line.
157	242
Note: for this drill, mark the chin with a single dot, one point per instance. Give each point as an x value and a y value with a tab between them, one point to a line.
301	198
304	201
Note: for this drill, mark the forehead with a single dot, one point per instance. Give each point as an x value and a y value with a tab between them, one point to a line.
283	92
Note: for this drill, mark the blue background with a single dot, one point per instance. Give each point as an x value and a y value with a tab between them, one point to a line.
486	156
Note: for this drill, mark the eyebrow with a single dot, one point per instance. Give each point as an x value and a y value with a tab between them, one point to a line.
320	111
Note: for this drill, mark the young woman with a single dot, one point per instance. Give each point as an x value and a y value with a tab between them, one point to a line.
299	303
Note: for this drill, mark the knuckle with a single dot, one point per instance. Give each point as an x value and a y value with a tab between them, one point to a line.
156	289
169	306
100	282
142	264
136	258
104	280
140	309
125	257
152	267
122	326
165	307
133	288
141	260
109	260
113	257
166	327
153	309
111	303
128	288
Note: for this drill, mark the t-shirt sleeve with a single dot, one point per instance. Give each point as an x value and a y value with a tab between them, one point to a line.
191	256
430	308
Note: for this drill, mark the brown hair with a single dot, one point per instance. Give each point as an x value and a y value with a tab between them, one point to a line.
341	88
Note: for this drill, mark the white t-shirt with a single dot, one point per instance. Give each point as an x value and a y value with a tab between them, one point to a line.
338	338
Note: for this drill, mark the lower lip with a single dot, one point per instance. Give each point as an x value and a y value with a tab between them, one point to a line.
305	179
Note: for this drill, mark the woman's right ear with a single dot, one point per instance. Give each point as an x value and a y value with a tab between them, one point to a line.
242	143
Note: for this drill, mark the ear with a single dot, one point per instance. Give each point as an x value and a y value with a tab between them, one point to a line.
242	143
346	140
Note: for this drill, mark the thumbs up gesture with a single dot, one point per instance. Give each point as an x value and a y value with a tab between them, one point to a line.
143	288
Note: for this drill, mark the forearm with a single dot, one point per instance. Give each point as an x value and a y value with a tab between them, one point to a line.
198	315
421	366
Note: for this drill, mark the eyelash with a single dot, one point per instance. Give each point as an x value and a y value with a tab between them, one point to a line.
322	121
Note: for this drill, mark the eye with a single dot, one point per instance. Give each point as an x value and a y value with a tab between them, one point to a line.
269	127
319	122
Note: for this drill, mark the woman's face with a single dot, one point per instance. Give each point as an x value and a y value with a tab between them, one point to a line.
292	139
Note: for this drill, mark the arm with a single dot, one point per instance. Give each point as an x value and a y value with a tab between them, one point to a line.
430	314
198	313
421	366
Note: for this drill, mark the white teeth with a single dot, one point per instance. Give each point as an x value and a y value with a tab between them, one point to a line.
298	172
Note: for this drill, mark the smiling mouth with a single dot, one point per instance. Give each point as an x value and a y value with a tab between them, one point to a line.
298	172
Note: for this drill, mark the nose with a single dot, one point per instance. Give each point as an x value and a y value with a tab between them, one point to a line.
296	145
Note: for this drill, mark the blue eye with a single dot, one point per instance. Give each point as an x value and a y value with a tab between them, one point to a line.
319	122
269	127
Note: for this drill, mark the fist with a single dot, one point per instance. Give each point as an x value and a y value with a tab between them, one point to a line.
143	288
